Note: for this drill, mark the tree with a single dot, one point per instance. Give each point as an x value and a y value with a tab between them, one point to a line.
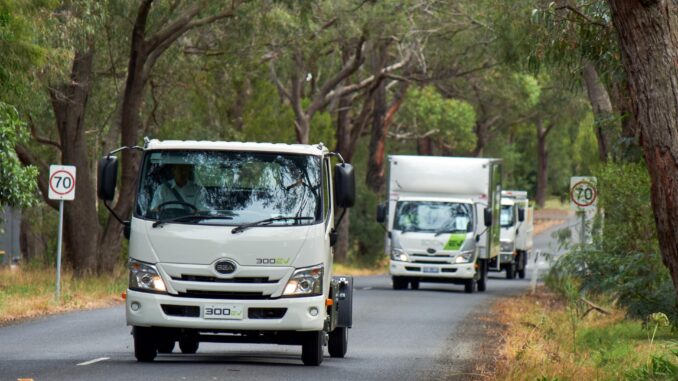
649	44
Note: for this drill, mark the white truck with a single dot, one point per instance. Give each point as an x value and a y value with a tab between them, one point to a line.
232	242
440	220
516	221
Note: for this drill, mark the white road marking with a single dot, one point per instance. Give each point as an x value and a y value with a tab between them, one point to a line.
367	288
93	361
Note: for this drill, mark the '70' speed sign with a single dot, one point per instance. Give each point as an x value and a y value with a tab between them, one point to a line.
583	193
61	182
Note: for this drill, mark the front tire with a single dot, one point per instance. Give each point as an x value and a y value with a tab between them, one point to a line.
312	349
470	286
166	346
523	262
338	344
482	282
399	282
189	345
511	271
414	284
145	346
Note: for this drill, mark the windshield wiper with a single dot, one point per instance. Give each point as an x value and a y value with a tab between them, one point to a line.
268	221
189	217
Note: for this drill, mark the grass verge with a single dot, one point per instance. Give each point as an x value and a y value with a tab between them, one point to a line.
28	293
360	270
544	338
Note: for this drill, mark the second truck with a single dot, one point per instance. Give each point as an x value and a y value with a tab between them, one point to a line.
441	220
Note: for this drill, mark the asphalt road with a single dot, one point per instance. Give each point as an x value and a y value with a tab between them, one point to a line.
397	335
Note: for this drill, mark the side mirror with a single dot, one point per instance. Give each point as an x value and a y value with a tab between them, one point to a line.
334	237
487	216
107	178
344	185
521	214
382	211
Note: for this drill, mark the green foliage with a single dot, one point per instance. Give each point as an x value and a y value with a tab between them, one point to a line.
17	183
625	261
451	120
659	368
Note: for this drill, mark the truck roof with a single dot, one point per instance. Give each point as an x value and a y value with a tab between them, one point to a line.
306	149
514	194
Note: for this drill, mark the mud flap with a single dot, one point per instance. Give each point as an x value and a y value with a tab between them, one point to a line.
343	299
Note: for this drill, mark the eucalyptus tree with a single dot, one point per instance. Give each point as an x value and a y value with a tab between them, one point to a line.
79	31
649	44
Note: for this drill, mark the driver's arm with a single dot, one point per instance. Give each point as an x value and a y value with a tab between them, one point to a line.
158	198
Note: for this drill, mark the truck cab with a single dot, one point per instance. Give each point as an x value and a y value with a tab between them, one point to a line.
516	233
232	242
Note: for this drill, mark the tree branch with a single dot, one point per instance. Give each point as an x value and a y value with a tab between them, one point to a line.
27	158
582	15
38	138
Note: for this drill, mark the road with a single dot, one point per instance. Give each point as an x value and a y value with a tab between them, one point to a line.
397	335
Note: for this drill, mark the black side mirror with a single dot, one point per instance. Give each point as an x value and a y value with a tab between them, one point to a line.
107	178
344	185
521	214
487	216
382	211
334	236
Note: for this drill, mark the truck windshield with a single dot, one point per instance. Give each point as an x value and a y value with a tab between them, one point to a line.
233	188
506	217
430	216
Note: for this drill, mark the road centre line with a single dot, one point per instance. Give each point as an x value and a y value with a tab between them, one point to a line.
93	361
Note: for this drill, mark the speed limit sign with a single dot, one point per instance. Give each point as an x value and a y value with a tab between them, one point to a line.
61	182
583	193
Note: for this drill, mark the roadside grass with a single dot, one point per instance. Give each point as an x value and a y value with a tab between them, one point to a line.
356	269
28	293
545	339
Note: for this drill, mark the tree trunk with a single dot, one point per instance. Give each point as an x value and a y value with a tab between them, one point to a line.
542	163
648	35
605	121
425	146
375	165
481	130
81	224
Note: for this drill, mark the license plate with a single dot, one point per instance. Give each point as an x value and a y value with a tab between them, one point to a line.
223	311
431	270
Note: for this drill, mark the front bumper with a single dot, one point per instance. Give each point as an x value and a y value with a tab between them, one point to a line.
451	271
296	318
506	257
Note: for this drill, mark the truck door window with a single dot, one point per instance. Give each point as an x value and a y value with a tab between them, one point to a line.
247	186
506	217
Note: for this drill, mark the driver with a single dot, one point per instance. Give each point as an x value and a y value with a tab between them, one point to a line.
180	190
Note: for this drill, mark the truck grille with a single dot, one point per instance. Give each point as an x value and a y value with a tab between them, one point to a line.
212	279
222	295
181	311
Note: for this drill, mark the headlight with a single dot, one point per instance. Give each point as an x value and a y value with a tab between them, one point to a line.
506	247
464	257
305	282
399	255
145	277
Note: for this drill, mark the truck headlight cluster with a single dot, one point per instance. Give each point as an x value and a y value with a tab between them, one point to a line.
464	257
145	277
399	255
306	281
506	247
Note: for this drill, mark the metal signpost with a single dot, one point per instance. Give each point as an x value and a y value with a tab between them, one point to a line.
584	200
61	187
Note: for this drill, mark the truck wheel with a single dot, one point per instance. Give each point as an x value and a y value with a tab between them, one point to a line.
523	262
166	346
145	347
189	345
482	282
312	348
338	344
399	282
511	271
470	286
414	284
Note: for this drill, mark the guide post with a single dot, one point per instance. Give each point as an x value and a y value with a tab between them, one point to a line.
62	188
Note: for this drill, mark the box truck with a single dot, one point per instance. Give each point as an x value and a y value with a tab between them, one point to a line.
516	221
232	242
440	220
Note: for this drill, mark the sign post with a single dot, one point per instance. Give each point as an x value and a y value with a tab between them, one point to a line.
584	200
61	187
